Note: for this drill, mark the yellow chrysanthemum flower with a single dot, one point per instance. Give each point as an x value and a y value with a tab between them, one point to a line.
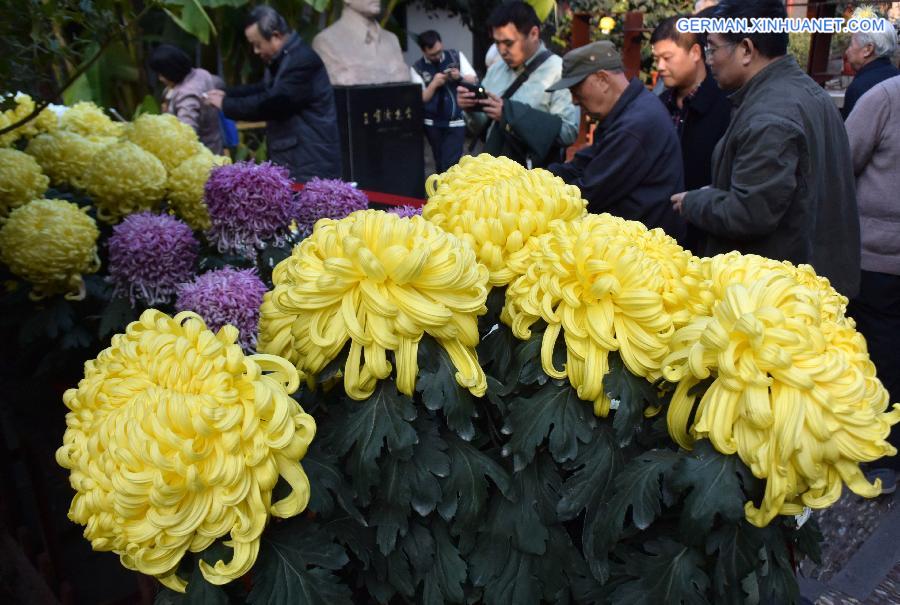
88	120
793	392
21	180
185	188
50	243
497	206
165	136
64	156
175	439
45	121
381	282
122	179
591	281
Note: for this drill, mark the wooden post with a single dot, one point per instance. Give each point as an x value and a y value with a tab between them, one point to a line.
820	43
631	45
581	35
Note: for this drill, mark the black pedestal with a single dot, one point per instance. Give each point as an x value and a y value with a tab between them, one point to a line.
381	137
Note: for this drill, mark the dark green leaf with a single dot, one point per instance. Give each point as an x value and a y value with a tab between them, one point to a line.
384	417
715	489
116	316
634	394
466	488
553	410
295	566
418	545
778	584
809	541
53	318
77	337
201	592
443	583
669	573
736	549
515	582
327	484
440	391
166	596
348	532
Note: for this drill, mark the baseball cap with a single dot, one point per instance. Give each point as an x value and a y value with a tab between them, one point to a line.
585	60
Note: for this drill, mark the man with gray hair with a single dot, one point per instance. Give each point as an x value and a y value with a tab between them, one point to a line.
870	55
295	99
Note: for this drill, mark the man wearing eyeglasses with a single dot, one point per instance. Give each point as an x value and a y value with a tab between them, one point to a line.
782	175
519	117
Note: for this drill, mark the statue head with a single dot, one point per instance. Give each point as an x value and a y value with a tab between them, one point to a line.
366	8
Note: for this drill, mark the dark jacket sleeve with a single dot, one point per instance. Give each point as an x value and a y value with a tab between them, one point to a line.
536	129
291	91
244	90
763	185
606	173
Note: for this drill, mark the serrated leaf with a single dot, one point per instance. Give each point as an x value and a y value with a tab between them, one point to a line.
514	583
166	596
359	540
466	488
440	391
634	394
295	566
669	573
778	584
711	480
736	549
115	317
555	411
201	592
418	545
809	541
383	419
328	485
443	584
56	317
592	472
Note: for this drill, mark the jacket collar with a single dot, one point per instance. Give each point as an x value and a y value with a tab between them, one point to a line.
628	95
775	70
880	62
701	101
292	43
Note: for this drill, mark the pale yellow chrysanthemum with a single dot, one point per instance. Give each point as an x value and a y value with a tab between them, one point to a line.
793	392
45	121
88	120
380	282
589	280
185	188
64	156
175	438
122	179
165	136
50	243
497	206
21	180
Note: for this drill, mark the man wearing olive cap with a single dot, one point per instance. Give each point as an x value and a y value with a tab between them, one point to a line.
634	165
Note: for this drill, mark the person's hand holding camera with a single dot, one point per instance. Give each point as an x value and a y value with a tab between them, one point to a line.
453	74
465	98
439	80
492	106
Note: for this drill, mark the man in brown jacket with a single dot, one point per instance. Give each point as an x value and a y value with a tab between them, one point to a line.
782	184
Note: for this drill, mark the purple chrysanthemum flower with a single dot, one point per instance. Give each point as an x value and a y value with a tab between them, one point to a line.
149	255
226	296
327	198
250	206
406	211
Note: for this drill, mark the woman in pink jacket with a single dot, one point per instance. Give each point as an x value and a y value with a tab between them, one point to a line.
185	87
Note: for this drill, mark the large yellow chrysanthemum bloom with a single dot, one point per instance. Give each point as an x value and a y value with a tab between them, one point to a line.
88	120
165	136
185	188
64	156
497	206
175	439
590	280
381	282
123	179
45	121
50	243
21	180
793	391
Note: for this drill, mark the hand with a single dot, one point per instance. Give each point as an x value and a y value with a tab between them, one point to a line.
465	98
678	201
493	106
439	80
214	98
453	73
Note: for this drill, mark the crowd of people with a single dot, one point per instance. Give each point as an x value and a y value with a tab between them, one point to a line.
739	149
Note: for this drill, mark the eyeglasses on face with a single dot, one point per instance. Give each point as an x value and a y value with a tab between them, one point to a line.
712	50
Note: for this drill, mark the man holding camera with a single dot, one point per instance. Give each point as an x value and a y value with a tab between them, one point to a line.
521	119
440	71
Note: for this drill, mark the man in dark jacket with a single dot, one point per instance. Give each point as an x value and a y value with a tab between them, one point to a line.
782	174
870	55
295	99
634	165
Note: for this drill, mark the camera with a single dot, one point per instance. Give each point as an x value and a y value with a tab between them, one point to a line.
478	89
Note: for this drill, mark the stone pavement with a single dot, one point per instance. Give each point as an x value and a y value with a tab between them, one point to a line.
860	553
